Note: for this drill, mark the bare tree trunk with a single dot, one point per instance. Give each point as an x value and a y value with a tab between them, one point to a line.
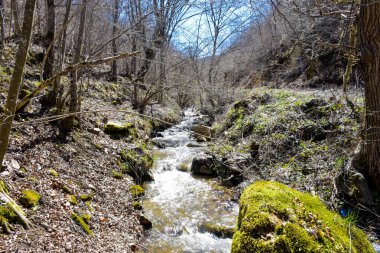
49	38
369	25
16	23
2	32
114	32
57	88
14	87
74	99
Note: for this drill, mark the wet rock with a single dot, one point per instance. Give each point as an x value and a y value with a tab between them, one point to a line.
355	185
162	142
203	165
218	231
144	222
202	133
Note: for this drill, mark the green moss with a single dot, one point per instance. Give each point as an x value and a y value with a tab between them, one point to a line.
86	218
137	205
3	187
72	200
80	221
29	198
89	206
276	218
86	197
136	191
219	231
117	174
66	189
53	173
120	129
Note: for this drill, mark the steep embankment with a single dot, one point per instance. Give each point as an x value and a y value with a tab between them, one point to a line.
83	178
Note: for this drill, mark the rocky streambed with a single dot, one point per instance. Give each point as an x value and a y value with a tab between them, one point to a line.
189	214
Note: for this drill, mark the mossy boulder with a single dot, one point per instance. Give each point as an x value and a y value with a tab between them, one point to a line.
118	130
276	218
137	163
136	191
29	198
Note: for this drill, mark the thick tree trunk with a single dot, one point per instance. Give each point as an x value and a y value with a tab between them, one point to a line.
14	87
114	31
74	99
16	23
49	38
369	31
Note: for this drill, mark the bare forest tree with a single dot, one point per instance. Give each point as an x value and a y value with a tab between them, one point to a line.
14	87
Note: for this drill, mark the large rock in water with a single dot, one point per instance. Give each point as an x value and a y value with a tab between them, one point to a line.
203	165
202	133
276	218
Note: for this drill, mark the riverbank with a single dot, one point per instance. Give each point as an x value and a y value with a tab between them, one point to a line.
77	174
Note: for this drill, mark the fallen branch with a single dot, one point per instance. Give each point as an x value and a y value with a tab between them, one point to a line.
10	203
84	64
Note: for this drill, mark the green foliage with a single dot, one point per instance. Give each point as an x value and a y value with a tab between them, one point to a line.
276	218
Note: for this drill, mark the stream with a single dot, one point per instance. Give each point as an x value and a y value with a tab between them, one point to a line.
178	203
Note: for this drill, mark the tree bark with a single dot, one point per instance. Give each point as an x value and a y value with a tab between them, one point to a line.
16	23
2	27
14	87
57	87
369	32
49	38
114	33
74	99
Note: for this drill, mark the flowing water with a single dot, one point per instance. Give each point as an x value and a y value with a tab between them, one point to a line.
178	203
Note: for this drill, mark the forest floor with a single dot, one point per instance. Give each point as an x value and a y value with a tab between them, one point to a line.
79	164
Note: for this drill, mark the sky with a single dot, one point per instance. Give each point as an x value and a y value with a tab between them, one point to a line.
195	33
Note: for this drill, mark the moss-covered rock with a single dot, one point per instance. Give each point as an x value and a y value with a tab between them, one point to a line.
276	218
136	191
86	197
53	173
136	205
116	174
118	130
72	200
29	198
81	222
137	163
218	231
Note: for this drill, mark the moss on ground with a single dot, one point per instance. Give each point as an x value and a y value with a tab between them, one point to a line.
136	191
136	205
276	218
29	198
291	137
82	222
